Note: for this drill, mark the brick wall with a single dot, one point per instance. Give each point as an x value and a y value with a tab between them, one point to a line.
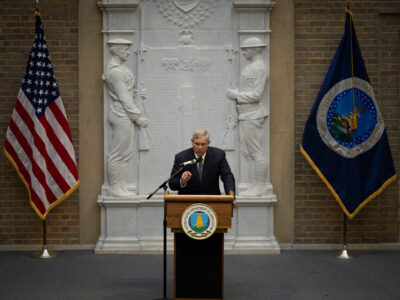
19	225
319	26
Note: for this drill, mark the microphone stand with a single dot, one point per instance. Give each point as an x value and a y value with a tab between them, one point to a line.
164	186
181	166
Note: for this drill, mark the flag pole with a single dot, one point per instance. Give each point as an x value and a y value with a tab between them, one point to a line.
354	113
44	253
344	253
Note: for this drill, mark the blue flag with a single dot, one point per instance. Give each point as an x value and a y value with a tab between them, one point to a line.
344	138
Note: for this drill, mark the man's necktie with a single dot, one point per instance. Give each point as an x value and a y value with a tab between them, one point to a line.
200	169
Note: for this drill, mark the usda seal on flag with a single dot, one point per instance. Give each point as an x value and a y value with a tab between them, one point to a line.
348	119
199	221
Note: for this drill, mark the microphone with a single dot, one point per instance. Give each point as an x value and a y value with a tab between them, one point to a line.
191	162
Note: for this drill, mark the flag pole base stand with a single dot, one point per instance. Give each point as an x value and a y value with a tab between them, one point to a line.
344	254
45	253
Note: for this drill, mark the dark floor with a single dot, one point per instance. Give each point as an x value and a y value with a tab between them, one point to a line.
304	275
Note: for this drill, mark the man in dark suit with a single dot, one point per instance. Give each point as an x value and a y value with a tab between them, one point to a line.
213	166
200	178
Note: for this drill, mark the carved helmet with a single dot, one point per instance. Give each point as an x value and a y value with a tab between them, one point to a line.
253	42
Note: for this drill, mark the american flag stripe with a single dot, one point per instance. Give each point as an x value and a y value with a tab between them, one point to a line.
59	147
59	114
27	169
38	140
57	120
33	162
25	176
22	119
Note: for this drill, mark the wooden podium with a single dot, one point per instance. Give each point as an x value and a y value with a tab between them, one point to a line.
198	264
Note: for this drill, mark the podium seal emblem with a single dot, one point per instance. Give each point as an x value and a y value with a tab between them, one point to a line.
199	221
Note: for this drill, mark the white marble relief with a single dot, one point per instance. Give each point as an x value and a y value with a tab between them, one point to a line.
252	115
144	133
123	115
231	115
184	56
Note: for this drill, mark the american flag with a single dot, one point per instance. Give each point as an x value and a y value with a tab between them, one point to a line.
38	139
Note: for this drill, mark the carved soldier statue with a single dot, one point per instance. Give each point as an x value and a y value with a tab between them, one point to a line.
122	116
252	114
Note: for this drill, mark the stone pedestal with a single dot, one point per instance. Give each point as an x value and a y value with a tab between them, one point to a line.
131	224
254	228
134	225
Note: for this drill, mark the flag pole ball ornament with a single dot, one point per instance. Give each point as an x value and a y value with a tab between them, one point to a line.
335	114
199	221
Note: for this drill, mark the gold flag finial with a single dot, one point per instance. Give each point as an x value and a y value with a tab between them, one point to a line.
37	8
348	8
